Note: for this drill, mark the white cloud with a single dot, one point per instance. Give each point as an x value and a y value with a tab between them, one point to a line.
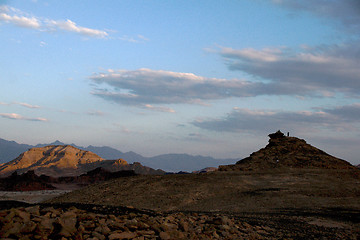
143	38
265	55
21	19
28	105
15	116
71	26
11	115
96	113
147	86
159	108
138	39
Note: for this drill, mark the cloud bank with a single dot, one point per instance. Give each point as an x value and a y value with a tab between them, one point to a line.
343	118
144	87
346	12
319	71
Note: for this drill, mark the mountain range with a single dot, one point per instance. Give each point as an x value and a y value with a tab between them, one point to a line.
9	150
66	160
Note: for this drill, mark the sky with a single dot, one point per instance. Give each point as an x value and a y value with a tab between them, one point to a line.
203	77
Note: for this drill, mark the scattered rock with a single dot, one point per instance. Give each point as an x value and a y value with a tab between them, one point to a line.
73	223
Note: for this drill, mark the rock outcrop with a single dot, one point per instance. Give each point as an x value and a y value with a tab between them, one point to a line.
29	181
285	152
25	182
66	160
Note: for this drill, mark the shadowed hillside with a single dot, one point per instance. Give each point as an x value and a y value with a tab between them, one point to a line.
285	152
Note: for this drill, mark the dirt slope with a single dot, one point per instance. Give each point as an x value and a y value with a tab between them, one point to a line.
228	191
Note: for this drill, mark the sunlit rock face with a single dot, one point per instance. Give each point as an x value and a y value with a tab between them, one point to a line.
66	160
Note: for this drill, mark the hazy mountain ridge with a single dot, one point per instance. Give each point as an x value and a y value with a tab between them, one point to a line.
66	160
9	150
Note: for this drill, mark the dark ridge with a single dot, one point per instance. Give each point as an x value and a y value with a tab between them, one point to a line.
288	152
28	181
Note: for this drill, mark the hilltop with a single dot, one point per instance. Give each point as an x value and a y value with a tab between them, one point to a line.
66	160
288	152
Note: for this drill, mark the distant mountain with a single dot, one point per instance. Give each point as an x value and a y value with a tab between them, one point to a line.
184	162
11	149
105	152
66	160
167	162
288	152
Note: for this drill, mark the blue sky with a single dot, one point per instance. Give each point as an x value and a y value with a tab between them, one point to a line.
200	77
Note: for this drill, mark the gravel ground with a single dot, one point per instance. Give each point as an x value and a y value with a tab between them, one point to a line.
31	196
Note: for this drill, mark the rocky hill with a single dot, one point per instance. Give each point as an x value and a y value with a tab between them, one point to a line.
66	160
288	152
168	162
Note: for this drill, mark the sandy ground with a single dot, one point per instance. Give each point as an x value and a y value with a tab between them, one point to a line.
31	196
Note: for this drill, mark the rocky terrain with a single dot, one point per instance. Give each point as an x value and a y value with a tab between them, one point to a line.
66	160
287	190
257	191
100	223
288	152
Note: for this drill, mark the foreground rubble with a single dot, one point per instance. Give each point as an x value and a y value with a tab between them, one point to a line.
52	222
